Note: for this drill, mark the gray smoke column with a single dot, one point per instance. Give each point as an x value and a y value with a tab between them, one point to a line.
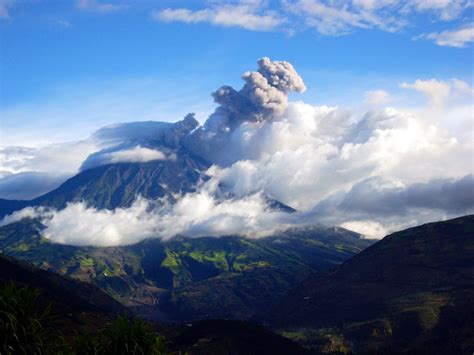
264	97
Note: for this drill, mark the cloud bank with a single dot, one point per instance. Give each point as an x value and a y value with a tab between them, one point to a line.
27	172
369	208
194	215
373	171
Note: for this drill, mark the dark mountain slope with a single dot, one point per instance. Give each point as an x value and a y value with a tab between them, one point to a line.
217	337
118	185
185	278
413	290
10	206
102	184
76	305
61	289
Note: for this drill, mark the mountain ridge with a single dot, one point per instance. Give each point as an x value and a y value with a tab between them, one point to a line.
158	276
412	290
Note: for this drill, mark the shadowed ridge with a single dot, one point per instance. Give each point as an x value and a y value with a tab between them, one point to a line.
67	294
412	290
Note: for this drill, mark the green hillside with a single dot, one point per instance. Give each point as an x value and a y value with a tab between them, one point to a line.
183	279
412	291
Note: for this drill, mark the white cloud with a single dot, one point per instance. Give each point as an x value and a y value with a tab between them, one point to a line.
458	38
435	91
317	161
135	155
64	23
5	8
248	15
377	98
374	4
339	18
194	215
64	158
447	10
203	214
28	212
327	17
96	6
27	172
438	92
368	228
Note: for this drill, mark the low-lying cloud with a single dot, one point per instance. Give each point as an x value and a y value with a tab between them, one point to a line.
194	215
370	208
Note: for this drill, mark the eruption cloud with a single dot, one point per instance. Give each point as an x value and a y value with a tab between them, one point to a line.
263	98
375	171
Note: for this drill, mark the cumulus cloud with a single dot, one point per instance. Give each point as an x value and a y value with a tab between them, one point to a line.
319	150
438	91
435	91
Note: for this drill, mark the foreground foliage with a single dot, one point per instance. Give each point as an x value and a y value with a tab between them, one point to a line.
24	329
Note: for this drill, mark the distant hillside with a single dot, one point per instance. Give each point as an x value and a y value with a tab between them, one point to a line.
76	304
79	307
187	279
414	290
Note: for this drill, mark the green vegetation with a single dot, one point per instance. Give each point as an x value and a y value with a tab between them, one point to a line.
181	275
22	329
410	292
25	329
124	336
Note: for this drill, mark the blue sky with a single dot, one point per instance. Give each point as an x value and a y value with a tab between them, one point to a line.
69	67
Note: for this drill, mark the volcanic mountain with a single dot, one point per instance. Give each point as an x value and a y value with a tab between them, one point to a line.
107	182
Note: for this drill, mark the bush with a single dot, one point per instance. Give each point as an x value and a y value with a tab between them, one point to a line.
23	331
21	322
124	336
